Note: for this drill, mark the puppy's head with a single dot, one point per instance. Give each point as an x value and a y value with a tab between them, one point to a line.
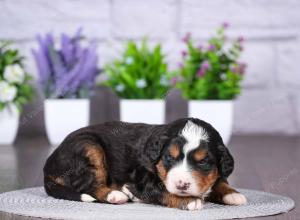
192	160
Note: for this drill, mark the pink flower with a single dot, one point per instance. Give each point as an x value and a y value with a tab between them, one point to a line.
211	47
173	80
180	65
225	24
239	68
200	47
242	67
200	73
187	37
203	68
241	39
183	53
205	65
234	69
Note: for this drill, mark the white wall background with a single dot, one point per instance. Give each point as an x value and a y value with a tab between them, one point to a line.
270	102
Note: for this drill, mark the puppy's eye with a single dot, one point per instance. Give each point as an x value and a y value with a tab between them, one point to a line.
169	157
203	161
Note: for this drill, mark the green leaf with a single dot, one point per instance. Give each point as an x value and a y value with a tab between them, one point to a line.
138	63
2	106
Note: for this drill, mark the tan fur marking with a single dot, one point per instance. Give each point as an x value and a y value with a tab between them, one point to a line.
96	156
174	201
162	172
205	181
174	151
199	155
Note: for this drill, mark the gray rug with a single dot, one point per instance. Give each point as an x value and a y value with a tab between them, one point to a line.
35	203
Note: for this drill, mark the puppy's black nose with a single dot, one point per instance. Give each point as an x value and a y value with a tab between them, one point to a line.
182	186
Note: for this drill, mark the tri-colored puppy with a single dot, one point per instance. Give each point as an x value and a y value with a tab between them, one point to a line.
174	165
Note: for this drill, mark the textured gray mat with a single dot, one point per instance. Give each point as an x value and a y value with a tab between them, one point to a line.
35	203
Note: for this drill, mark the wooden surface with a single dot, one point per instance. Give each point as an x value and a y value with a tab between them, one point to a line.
271	164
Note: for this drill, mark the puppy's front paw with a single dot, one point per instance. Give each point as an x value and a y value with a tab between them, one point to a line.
234	199
194	205
129	194
117	197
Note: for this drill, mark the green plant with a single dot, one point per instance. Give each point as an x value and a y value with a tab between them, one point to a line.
211	72
141	73
14	82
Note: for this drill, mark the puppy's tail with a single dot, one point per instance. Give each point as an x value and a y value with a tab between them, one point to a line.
60	191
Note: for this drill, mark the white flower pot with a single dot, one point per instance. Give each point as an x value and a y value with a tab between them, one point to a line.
63	116
218	113
9	124
142	110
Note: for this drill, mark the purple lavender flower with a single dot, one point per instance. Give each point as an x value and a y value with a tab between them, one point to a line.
67	72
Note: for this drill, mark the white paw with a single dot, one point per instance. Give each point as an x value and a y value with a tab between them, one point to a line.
234	199
117	197
194	205
129	194
87	198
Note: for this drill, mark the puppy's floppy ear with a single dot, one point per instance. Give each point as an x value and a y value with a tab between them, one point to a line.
225	161
152	150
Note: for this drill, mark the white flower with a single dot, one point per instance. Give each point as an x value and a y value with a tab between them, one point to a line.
14	73
120	88
7	92
129	60
164	81
141	83
102	77
223	76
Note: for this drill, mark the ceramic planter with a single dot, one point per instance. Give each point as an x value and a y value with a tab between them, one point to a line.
63	116
9	124
149	111
218	113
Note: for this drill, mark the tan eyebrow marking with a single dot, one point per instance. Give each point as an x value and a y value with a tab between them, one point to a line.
174	150
199	155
